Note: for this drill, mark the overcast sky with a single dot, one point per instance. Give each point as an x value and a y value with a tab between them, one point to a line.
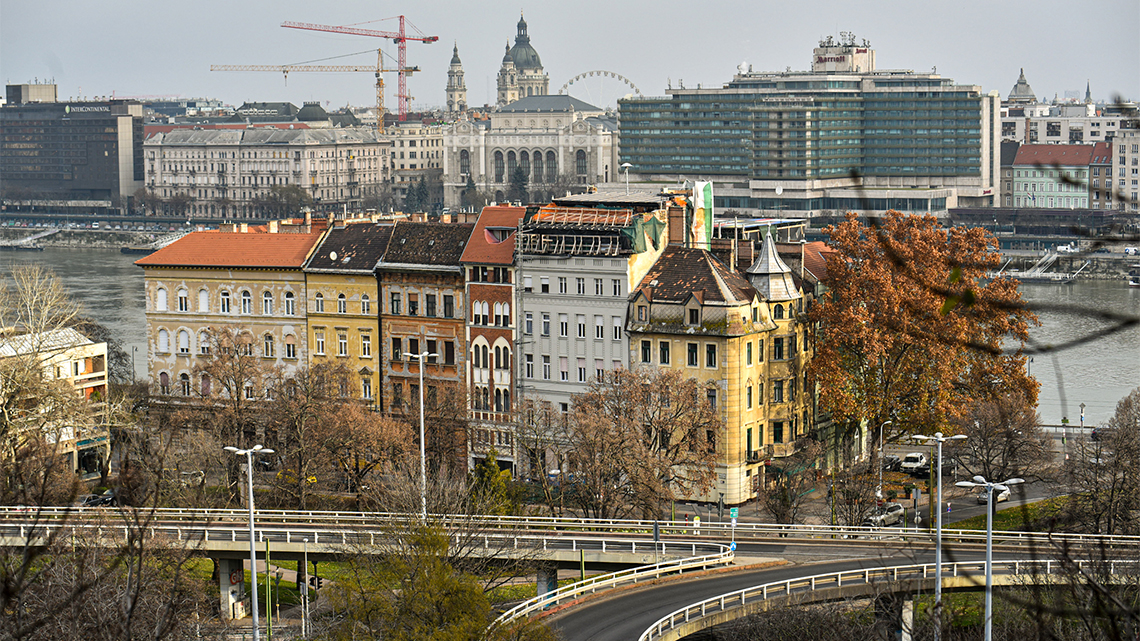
96	47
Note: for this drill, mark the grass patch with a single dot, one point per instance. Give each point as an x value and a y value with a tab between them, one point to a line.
1019	518
520	591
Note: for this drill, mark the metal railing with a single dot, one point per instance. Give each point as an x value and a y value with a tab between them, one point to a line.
806	585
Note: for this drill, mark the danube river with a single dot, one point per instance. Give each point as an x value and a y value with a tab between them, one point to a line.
1096	372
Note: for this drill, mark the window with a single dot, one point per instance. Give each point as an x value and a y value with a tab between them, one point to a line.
528	327
341	344
599	368
791	345
164	383
710	356
778	312
694	316
759	393
448	306
225	303
616	335
691	355
394	305
598	289
183	342
290	346
563	368
760	351
366	346
642	313
203	344
545	367
777	391
249	392
319	302
203	300
163	341
319	343
267	347
710	394
183	300
748	354
777	349
205	384
365	304
663	352
528	282
449	353
748	399
397	350
646	352
528	365
341	304
580	162
545	285
599	327
546	324
792	390
581	283
430	311
266	303
581	370
397	395
433	353
616	283
563	325
160	299
413	304
184	383
414	345
290	304
246	303
581	319
561	284
366	388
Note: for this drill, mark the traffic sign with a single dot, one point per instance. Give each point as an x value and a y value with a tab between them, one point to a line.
734	512
734	521
732	546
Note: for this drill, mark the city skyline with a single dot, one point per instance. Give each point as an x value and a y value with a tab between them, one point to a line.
65	41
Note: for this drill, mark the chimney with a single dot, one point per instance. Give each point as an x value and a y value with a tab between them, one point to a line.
676	225
273	226
244	228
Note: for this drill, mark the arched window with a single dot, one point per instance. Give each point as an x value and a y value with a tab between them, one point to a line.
319	302
506	315
267	347
163	341
205	384
341	304
290	346
164	383
505	359
267	303
778	312
551	165
580	161
498	358
475	313
486	313
511	164
203	343
498	400
184	383
498	313
160	299
524	162
506	400
246	303
183	341
203	300
290	304
225	303
183	300
538	166
498	166
464	163
365	304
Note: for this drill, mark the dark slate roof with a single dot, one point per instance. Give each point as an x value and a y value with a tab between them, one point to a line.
681	272
771	276
427	243
1021	91
312	112
1008	152
356	247
264	111
533	104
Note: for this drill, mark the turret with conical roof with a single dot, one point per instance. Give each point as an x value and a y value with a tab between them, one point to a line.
1022	93
456	87
771	276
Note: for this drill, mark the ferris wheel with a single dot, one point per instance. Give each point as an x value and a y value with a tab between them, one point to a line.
600	88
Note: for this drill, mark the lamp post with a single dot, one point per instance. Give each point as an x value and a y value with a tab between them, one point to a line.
423	454
1082	418
626	167
305	595
879	490
940	439
248	453
989	488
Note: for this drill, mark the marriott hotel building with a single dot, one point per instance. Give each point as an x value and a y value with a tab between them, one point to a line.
844	136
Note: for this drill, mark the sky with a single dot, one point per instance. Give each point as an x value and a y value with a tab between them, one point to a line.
130	48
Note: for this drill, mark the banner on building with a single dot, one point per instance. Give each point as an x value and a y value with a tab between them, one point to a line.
702	229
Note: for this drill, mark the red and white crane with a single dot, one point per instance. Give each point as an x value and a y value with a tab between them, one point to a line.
399	37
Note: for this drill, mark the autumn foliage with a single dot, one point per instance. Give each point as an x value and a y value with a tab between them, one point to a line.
911	330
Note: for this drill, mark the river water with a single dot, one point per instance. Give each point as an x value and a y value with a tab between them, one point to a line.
1096	372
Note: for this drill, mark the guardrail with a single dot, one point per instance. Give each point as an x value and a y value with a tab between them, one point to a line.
613	580
805	585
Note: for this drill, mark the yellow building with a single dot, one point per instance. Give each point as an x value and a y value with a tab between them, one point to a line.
242	276
737	333
344	303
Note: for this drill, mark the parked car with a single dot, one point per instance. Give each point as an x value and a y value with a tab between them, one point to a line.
889	514
948	466
1131	251
107	498
891	463
913	462
1070	248
998	496
1100	432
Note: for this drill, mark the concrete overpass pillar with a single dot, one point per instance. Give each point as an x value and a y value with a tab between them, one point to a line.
546	579
906	619
231	584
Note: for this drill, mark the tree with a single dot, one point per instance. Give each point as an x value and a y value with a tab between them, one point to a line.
283	201
1004	439
180	203
383	200
908	332
518	180
417	198
641	438
491	486
789	483
363	444
539	434
1101	476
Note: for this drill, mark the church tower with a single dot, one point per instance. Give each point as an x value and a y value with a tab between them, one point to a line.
508	80
524	75
456	88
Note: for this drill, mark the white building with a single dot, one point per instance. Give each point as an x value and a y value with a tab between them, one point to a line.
225	172
1126	170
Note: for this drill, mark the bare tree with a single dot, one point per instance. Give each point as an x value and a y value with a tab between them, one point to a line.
1004	439
364	445
789	483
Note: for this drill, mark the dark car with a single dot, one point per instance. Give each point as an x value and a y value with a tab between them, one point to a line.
891	463
107	498
1099	433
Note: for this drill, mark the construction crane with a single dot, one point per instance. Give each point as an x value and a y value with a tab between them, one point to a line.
399	37
286	69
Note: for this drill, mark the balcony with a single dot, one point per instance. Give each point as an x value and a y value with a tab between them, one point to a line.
780	450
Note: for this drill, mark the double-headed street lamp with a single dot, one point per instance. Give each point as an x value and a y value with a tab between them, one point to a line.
423	455
938	438
989	490
879	490
248	453
625	166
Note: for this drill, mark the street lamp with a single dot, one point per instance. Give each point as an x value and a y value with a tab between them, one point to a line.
938	438
626	167
423	455
879	490
989	488
248	454
305	595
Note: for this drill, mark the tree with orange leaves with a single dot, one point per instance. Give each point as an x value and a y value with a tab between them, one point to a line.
910	331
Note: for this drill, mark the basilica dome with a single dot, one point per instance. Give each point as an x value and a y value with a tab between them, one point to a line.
524	55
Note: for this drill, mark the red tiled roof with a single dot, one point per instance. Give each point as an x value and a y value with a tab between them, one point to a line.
1102	153
233	249
681	272
482	247
1063	155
